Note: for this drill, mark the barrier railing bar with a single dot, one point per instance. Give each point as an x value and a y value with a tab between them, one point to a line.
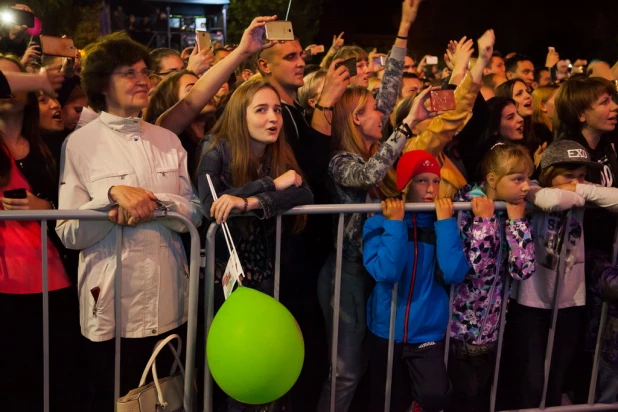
391	350
45	276
278	258
560	270
602	321
336	304
194	291
43	216
209	309
570	408
375	208
451	297
118	313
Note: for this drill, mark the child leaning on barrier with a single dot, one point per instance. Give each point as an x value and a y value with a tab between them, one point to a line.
422	256
561	187
498	244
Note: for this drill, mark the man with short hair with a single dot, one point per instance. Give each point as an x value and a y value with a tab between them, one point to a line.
496	65
409	65
542	77
410	85
520	67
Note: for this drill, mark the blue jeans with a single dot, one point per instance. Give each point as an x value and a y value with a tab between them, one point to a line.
607	385
351	362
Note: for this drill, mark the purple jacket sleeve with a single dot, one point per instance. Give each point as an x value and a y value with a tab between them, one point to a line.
522	263
481	238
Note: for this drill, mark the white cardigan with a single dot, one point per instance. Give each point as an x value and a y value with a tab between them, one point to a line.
112	151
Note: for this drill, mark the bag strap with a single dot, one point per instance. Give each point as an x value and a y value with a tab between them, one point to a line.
160	345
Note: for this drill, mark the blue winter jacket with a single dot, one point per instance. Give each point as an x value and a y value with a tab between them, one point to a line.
423	255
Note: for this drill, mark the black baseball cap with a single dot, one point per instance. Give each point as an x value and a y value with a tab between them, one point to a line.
567	151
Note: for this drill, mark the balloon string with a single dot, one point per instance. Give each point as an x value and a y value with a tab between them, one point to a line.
226	230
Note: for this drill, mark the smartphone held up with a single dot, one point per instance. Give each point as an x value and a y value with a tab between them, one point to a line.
279	30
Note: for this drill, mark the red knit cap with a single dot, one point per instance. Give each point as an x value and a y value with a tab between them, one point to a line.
414	163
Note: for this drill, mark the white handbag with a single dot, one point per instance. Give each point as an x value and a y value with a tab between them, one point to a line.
161	395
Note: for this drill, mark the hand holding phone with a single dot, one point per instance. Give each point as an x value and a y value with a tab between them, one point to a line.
202	38
350	64
442	100
432	60
16	193
279	30
57	46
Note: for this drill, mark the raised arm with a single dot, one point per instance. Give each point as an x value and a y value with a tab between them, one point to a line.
178	117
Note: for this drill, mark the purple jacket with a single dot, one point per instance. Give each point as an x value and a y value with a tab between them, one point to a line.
478	299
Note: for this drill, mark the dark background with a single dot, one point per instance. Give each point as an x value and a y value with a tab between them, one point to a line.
577	29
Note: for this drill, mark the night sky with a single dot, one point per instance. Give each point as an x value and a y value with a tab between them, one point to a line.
584	30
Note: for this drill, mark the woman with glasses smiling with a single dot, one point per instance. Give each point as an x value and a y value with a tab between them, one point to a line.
129	168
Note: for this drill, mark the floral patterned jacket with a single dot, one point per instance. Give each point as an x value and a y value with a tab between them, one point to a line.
478	299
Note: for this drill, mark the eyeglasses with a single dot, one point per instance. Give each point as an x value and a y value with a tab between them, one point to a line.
133	74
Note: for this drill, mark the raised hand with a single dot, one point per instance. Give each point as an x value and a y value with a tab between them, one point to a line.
486	45
200	61
335	83
32	52
552	58
418	111
338	43
251	41
463	52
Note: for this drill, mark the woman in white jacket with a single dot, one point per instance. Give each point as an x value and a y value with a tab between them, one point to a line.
128	167
561	187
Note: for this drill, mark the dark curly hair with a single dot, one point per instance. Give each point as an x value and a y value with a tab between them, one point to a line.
102	60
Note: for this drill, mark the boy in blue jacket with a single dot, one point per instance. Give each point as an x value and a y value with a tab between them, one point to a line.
422	255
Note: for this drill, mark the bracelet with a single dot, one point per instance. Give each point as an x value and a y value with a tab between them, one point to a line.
402	38
320	107
244	211
405	130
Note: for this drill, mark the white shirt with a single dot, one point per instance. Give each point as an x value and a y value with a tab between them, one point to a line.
112	151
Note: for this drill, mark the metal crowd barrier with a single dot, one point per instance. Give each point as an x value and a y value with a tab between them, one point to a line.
43	217
342	210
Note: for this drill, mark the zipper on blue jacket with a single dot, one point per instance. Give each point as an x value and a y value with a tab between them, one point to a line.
413	281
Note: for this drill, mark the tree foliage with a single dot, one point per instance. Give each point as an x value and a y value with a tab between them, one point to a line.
304	15
77	19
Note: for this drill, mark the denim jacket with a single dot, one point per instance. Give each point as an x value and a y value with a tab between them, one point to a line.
248	231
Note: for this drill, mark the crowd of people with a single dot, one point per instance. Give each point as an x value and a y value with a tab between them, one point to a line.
129	131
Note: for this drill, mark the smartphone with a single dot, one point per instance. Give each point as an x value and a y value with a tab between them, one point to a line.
20	17
380	60
57	46
442	100
432	60
551	49
317	49
350	64
16	193
279	30
202	38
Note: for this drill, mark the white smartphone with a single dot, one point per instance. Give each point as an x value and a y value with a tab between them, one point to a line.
432	60
317	49
551	49
279	30
202	38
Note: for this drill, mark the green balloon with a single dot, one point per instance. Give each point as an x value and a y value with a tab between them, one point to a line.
255	349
